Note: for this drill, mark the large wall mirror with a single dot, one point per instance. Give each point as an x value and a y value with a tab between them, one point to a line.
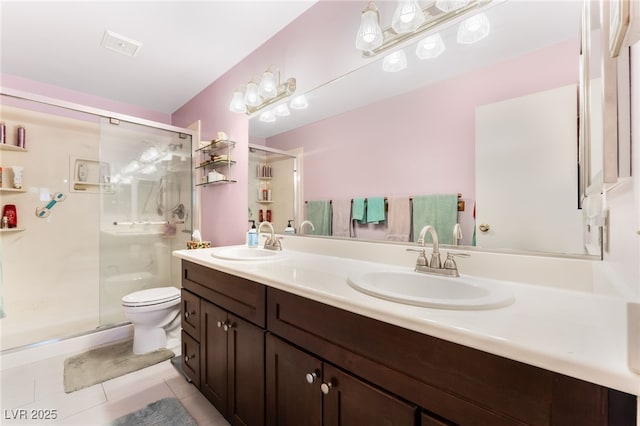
495	121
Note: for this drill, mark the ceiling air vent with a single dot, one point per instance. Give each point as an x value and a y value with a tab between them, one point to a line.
120	44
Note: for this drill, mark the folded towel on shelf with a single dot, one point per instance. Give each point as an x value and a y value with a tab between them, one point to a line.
319	213
357	210
399	219
439	211
341	222
375	210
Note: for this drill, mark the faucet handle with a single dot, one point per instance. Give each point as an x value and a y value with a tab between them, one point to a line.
422	258
450	262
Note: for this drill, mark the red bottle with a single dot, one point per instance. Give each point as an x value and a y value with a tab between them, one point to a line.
261	216
268	215
11	214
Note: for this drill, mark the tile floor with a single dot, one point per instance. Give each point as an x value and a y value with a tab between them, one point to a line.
38	386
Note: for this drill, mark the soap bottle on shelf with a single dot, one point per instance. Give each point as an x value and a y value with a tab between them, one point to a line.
252	235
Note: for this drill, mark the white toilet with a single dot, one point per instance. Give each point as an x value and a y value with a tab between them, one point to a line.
155	315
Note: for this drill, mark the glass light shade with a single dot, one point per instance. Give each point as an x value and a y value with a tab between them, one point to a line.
369	34
237	103
394	62
430	47
473	29
268	87
451	5
251	96
268	116
407	17
299	102
282	110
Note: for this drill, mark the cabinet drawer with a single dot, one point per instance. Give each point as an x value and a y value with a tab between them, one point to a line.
190	311
191	358
240	296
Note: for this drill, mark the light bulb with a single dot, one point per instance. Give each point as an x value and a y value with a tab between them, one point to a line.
369	34
430	47
299	102
407	17
237	103
268	88
474	29
282	110
251	96
394	62
268	116
451	5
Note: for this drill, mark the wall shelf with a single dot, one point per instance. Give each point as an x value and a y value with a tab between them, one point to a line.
10	230
211	162
217	182
12	190
7	147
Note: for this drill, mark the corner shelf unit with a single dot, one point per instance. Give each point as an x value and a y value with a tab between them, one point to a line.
207	154
10	230
7	147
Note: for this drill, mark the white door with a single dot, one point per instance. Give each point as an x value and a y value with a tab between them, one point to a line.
526	173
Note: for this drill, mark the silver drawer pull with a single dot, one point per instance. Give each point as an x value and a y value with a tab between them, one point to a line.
326	388
311	377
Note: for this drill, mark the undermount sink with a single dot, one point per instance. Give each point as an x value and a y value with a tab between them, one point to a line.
246	253
415	288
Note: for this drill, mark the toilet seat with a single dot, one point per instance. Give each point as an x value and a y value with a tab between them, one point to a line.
150	297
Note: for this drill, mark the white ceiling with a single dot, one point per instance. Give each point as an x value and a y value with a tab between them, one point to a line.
186	44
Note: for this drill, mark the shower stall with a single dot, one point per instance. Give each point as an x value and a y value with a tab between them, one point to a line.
105	199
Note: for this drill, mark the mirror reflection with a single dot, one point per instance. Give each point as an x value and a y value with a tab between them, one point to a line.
493	121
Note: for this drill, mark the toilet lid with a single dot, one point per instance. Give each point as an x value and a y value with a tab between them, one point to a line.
151	296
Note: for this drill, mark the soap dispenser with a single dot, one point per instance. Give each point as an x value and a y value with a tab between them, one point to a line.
252	235
289	229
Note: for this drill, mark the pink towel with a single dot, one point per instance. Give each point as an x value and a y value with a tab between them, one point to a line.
399	219
341	225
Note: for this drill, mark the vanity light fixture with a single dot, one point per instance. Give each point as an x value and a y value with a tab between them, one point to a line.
394	62
258	95
372	40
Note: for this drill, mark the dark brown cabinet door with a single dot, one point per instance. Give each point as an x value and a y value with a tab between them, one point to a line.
213	355
349	401
246	372
293	385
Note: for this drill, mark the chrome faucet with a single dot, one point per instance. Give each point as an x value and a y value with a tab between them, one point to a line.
305	222
272	242
434	266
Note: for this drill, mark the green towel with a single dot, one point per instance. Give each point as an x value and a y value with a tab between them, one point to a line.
375	210
439	211
357	210
319	213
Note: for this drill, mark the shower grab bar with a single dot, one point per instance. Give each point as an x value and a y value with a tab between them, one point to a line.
148	222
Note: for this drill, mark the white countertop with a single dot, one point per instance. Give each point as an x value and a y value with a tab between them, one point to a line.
579	334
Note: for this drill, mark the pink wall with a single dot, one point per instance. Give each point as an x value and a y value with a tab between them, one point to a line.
30	86
300	50
421	142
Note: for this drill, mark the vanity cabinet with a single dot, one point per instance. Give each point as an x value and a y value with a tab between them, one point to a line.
227	314
323	394
268	356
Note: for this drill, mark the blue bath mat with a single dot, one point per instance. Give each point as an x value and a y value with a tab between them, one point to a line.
164	412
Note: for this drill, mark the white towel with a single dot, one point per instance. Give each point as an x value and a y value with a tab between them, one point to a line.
399	219
341	225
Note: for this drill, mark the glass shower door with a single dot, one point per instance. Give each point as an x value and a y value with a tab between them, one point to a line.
144	181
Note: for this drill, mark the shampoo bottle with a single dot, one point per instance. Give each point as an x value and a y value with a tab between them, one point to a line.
252	235
289	229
